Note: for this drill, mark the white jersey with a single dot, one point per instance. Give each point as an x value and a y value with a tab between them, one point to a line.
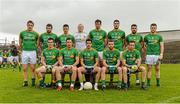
80	39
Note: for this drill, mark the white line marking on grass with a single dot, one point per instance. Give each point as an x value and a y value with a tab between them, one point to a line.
171	99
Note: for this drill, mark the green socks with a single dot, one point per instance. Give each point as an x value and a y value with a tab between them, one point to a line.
157	81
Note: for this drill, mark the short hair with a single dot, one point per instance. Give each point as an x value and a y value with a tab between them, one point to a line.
131	42
110	40
50	39
96	21
153	24
88	40
49	25
30	21
66	25
68	39
116	21
133	25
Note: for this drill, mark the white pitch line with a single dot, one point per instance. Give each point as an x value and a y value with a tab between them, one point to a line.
171	99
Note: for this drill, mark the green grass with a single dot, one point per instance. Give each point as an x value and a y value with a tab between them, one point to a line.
11	90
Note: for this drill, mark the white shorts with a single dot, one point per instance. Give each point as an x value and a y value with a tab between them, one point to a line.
9	59
152	59
1	59
14	58
29	57
100	55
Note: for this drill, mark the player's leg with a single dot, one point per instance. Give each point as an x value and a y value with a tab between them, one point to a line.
40	72
33	60
73	77
125	70
149	72
53	79
142	69
80	71
97	70
24	59
103	75
120	73
157	70
58	72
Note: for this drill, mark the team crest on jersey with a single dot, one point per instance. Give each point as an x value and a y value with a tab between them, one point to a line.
53	57
72	56
92	58
119	37
114	59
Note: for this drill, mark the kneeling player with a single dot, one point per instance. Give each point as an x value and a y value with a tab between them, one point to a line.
131	60
49	61
89	63
68	61
111	63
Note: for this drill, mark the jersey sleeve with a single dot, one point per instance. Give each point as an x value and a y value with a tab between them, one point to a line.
81	54
104	54
96	54
138	55
61	52
160	38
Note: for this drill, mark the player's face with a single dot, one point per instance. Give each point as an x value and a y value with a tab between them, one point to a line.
50	43
30	26
131	46
48	29
153	29
116	25
111	45
133	29
98	25
69	43
80	28
89	44
66	30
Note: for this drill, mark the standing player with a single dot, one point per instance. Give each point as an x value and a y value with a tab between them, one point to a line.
80	38
62	38
28	41
131	60
138	39
154	53
45	36
98	37
111	61
117	35
69	59
89	63
49	61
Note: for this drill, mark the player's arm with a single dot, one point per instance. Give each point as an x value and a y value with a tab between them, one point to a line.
82	62
43	61
97	62
77	61
138	61
60	61
20	41
104	59
161	49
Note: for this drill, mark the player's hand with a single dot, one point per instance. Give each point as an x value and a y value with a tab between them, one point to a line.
160	56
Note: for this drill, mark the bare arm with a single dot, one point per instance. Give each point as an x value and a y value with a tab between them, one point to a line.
77	61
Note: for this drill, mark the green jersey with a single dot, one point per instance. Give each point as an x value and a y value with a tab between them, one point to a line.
29	40
62	40
131	56
44	38
68	55
152	42
50	55
89	56
98	39
137	38
118	37
111	56
5	54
